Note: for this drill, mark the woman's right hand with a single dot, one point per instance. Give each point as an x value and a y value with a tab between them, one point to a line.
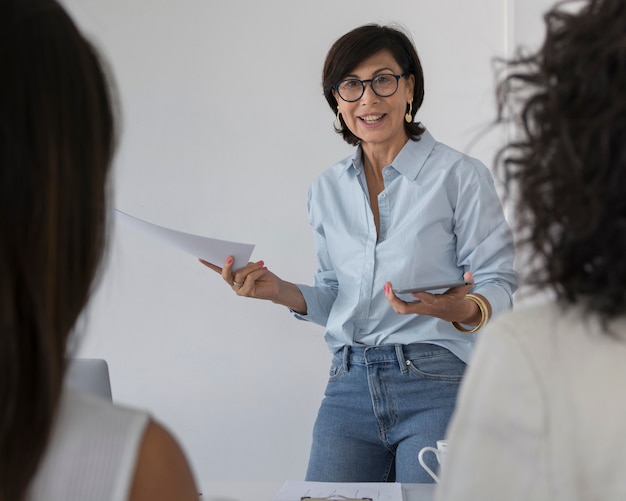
255	280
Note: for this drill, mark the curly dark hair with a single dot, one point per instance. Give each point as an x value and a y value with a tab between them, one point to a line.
566	169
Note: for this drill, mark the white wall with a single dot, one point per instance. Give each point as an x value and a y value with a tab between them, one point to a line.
224	128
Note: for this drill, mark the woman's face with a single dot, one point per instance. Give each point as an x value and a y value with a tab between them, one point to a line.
377	120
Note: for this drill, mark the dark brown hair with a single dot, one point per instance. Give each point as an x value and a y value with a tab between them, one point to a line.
359	44
567	168
56	144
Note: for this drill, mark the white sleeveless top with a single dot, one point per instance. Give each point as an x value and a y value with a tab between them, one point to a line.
92	452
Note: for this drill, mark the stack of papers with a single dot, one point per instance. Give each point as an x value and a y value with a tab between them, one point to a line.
296	491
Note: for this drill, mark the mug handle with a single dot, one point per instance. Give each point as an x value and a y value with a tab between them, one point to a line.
420	458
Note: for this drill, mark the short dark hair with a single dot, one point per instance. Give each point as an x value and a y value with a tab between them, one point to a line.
359	44
57	139
567	170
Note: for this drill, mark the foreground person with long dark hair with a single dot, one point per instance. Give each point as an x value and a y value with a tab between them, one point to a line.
57	135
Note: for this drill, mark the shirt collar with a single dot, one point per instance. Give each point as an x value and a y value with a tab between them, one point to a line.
408	162
413	155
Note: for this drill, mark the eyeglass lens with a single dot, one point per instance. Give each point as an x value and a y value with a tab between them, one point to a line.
382	85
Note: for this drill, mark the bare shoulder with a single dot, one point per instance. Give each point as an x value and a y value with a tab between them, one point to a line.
162	472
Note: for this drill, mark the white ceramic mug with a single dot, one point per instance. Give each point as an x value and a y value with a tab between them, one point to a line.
440	454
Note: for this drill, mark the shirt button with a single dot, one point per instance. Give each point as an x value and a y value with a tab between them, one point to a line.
383	195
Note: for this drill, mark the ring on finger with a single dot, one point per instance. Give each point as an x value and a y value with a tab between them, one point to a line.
238	284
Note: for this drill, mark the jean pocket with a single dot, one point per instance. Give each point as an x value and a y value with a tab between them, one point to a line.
440	365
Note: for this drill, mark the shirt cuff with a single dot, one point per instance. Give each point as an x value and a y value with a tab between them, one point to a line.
499	299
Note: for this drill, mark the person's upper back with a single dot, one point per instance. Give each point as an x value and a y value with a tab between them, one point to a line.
579	369
540	415
92	452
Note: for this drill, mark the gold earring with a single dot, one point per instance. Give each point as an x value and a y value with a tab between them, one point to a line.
338	125
409	117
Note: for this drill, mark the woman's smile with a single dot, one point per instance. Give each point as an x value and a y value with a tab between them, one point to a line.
372	119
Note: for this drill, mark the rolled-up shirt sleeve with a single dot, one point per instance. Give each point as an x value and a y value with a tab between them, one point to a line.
320	297
484	240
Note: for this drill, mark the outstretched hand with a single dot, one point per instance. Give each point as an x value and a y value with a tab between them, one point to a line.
253	280
450	306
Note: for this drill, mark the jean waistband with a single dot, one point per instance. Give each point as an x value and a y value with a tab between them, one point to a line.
402	353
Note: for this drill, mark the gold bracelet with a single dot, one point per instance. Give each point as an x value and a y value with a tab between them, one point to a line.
484	315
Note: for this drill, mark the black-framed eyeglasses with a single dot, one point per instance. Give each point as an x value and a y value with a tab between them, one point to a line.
383	85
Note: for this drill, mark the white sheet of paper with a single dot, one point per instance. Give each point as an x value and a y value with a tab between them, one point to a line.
210	249
377	491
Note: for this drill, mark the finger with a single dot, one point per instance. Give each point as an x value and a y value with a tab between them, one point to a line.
247	276
468	276
425	297
256	274
227	270
396	303
211	266
391	295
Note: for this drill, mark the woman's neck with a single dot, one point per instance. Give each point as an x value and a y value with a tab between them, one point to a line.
378	156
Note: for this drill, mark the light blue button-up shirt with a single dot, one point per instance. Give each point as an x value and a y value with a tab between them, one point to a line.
440	216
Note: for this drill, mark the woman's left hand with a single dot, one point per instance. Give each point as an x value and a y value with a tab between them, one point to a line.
450	306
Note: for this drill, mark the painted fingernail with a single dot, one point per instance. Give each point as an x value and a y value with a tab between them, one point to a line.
386	288
260	263
229	260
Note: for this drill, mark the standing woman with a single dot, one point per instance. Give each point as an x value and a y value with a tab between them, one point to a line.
403	209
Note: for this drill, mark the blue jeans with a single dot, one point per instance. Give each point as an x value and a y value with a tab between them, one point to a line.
381	406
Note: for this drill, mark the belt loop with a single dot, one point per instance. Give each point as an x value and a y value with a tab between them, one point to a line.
401	359
346	358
